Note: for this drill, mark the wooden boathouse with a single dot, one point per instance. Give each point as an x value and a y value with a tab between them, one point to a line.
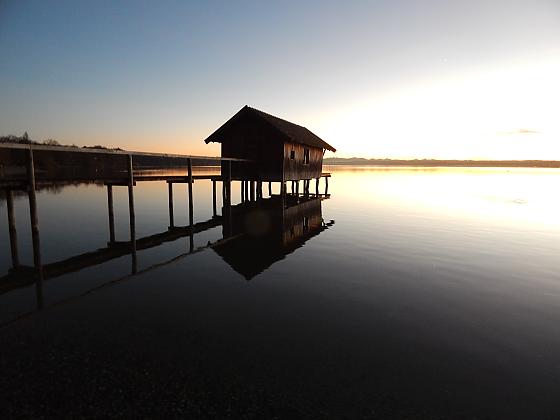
277	150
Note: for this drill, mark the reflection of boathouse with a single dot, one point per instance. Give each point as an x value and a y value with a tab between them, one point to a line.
265	231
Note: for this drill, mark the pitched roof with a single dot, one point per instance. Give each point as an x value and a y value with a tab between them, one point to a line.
296	133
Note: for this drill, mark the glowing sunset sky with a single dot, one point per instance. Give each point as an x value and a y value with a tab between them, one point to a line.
400	79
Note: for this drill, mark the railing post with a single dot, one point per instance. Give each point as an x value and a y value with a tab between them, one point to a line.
12	228
111	214
131	214
170	200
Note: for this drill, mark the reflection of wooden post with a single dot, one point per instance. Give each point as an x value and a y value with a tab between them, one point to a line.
269	189
170	198
131	214
214	212
35	227
111	214
12	228
190	182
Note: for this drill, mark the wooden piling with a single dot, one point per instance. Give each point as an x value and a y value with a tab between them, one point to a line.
242	191
269	189
12	228
111	214
317	186
33	214
131	214
326	185
228	181
170	203
37	263
190	183
214	212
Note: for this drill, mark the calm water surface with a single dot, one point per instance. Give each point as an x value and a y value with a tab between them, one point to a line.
423	293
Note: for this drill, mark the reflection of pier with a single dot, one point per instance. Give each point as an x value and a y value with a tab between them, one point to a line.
48	166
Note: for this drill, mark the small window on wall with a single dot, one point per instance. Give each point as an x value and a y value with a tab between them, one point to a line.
293	154
306	156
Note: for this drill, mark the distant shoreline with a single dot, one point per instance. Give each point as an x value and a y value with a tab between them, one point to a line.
444	163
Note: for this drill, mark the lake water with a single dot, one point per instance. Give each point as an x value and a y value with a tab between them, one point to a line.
409	293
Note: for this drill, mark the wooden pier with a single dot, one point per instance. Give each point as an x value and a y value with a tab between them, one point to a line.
50	165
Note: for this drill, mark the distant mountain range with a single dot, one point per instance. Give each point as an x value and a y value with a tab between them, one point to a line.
439	162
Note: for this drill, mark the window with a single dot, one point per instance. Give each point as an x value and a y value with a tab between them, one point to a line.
306	156
293	154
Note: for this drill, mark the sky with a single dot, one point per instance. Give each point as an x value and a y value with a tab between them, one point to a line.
376	79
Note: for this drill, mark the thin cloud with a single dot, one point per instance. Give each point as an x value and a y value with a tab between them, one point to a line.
520	131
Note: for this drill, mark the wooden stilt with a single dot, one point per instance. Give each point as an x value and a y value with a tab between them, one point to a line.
259	189
190	190
317	186
111	214
35	227
228	182
170	198
214	212
326	185
242	191
131	214
12	228
252	191
269	189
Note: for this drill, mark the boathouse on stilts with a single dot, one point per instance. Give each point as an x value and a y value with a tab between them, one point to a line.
276	150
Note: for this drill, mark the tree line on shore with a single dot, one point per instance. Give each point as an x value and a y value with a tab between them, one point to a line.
24	139
442	162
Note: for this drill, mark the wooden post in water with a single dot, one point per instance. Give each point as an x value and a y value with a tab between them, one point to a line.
317	186
111	214
259	189
326	185
12	228
35	227
190	182
131	214
252	190
214	212
170	199
242	191
228	183
269	188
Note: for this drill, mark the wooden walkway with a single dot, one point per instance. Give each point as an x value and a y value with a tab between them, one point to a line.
125	170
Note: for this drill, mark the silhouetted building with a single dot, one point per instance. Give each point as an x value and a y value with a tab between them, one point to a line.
279	150
265	231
